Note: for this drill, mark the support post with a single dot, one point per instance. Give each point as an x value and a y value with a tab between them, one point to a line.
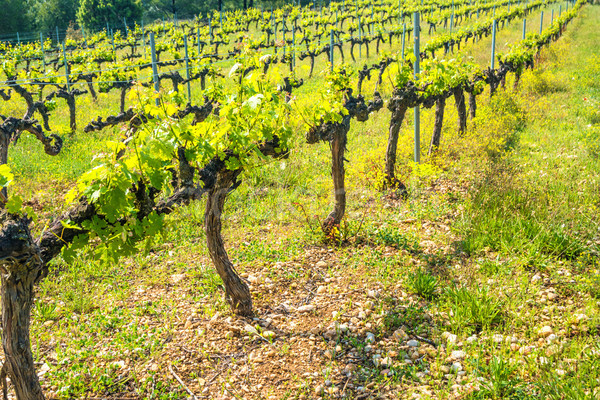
417	33
359	39
198	41
331	49
493	60
154	68
187	68
66	67
524	27
541	22
43	56
403	42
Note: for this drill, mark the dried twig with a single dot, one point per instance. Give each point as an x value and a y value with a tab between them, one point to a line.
187	389
422	339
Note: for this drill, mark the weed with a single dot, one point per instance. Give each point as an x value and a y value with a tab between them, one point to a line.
542	82
393	237
473	309
423	283
500	381
47	311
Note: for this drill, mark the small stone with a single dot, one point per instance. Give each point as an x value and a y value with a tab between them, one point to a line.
349	368
514	347
579	318
551	337
372	294
250	329
400	335
330	334
545	331
456	366
269	334
49	323
229	335
526	350
445	369
413	343
44	368
449	337
458	355
560	372
306	308
154	367
536	278
319	390
362	315
472	339
370	337
552	296
321	264
498	338
321	289
343	328
253	279
176	278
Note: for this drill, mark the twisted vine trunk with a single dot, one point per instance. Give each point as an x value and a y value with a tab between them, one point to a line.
472	105
20	264
237	292
4	143
440	105
390	154
461	108
338	148
90	85
72	116
122	100
517	79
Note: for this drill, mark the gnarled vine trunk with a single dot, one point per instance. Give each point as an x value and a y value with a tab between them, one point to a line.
440	105
461	108
122	99
237	292
472	105
20	264
517	80
338	148
390	154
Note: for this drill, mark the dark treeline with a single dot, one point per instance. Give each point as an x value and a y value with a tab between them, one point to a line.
45	15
